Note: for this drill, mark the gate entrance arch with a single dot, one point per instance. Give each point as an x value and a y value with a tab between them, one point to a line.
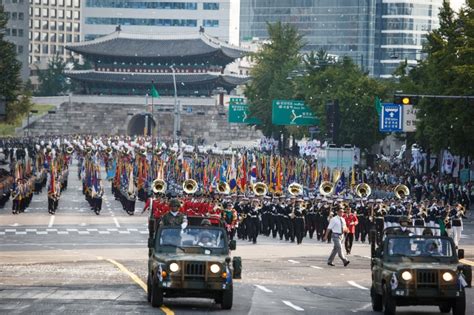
136	125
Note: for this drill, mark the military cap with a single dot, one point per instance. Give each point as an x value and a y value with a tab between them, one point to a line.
175	203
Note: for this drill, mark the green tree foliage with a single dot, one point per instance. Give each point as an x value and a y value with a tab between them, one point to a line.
52	81
344	81
448	70
10	82
273	64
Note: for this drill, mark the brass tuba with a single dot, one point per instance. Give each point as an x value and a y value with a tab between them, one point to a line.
363	190
69	150
326	188
190	186
260	189
108	150
223	188
295	189
401	191
159	186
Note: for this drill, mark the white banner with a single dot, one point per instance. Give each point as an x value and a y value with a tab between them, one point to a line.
409	118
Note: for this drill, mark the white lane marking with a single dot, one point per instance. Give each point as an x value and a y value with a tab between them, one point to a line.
316	267
116	222
368	257
83	224
51	221
261	287
362	308
352	283
293	261
14	224
293	306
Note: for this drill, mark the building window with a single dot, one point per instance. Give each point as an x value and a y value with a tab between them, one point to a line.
77	15
36	23
37	48
13	32
30	36
45	12
60	26
20	33
210	23
69	27
37	1
61	14
161	5
69	14
20	49
37	12
61	3
68	38
77	27
52	13
52	25
60	50
69	3
52	37
210	6
53	2
44	37
14	16
21	16
44	25
45	49
77	3
143	22
53	49
60	38
45	2
77	38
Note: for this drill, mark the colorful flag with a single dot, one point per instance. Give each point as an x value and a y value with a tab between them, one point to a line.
154	92
341	184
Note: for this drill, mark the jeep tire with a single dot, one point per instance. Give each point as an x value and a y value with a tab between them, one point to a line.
445	307
227	299
459	306
149	288
156	295
389	303
377	303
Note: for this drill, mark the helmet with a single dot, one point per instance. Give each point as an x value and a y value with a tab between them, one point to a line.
175	203
403	219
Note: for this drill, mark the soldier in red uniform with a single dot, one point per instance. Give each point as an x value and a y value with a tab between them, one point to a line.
351	221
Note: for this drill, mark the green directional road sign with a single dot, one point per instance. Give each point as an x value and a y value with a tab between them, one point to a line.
239	113
236	100
291	112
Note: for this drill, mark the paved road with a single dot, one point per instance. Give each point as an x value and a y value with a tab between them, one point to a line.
76	262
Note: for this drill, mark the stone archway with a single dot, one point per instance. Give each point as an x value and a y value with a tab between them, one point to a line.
136	125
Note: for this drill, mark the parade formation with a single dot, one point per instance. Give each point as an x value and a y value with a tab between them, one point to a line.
255	191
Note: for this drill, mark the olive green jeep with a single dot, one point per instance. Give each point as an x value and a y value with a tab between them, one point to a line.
190	262
409	269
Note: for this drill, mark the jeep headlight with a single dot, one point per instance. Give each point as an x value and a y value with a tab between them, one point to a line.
406	275
215	268
174	267
448	277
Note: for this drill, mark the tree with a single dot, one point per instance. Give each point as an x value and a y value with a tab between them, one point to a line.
273	64
448	70
10	82
52	81
343	81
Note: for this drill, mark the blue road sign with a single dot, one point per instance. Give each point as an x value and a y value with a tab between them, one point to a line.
391	117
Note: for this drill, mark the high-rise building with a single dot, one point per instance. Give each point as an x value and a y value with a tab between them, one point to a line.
369	31
157	17
53	24
17	31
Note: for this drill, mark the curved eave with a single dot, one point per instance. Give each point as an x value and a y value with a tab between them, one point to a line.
159	79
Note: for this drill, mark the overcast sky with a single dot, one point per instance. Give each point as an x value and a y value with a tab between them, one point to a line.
456	4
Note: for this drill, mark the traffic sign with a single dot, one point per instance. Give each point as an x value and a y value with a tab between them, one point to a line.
409	118
391	117
236	100
240	114
292	112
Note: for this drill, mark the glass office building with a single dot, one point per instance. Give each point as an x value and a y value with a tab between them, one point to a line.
156	17
364	30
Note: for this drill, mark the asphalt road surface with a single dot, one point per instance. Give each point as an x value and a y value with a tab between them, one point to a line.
76	262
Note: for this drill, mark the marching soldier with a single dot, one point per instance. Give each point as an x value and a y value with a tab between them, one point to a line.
298	221
230	219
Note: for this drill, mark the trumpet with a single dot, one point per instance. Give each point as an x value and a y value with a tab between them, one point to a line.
260	189
363	190
326	188
159	186
190	186
401	191
295	189
223	188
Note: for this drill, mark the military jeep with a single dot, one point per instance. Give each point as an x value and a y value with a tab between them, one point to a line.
193	262
409	269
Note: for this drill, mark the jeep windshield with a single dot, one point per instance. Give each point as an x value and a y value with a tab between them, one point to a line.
420	247
204	240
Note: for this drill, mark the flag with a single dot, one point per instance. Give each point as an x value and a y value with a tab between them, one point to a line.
233	174
154	92
353	179
341	184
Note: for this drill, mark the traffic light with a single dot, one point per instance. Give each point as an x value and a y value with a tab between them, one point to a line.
404	100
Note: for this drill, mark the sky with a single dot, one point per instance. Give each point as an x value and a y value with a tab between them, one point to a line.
456	4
